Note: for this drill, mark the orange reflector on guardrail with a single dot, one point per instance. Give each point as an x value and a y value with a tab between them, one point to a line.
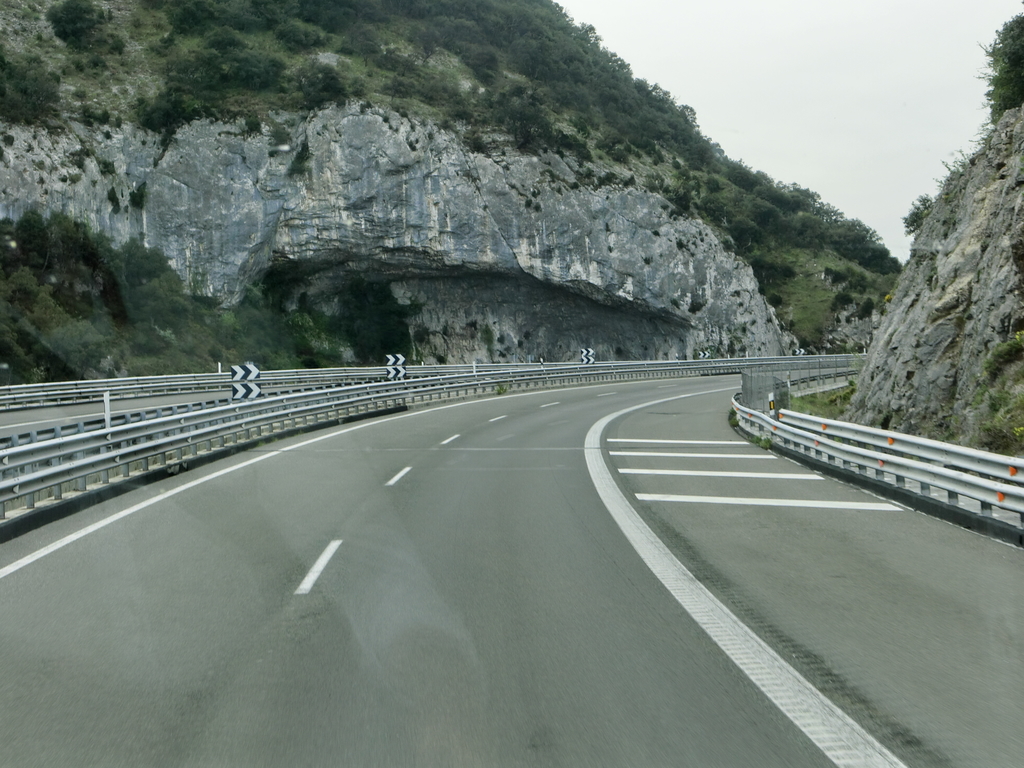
824	427
815	443
891	441
1001	496
1013	471
881	463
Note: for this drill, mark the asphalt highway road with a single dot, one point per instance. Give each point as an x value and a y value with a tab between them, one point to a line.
451	587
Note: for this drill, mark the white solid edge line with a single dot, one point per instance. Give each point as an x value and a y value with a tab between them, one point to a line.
453	437
398	477
607	394
844	741
32	557
318	568
675	442
73	537
548	405
498	418
702	473
866	506
751	456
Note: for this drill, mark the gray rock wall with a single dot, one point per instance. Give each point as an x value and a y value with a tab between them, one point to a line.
402	200
959	295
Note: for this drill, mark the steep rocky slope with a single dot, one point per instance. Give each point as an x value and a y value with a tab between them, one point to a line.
364	190
942	362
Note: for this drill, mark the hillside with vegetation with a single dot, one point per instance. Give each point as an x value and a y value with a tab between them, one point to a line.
517	73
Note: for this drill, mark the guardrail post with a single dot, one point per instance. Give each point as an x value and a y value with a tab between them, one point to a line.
952	497
986	510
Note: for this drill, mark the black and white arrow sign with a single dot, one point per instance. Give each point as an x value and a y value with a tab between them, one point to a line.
704	354
396	367
245	390
246	372
800	351
587	356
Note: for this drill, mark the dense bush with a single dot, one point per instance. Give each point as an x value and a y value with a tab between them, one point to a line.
1006	68
320	84
75	21
29	92
919	211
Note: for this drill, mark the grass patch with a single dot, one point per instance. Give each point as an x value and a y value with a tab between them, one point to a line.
827	405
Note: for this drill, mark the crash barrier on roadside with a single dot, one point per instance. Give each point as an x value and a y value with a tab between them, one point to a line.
774	381
289	381
994	481
77	458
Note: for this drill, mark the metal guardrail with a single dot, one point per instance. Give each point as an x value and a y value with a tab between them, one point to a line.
993	480
76	460
777	381
281	382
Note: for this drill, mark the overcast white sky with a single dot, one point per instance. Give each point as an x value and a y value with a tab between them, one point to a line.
859	101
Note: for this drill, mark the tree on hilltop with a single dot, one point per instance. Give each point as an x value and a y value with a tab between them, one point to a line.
1006	68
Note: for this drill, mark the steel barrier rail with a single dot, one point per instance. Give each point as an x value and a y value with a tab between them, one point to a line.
806	371
993	465
955	478
46	470
66	463
36	395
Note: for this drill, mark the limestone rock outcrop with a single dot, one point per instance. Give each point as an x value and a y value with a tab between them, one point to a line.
365	190
959	296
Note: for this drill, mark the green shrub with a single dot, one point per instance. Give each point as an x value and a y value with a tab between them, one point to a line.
1003	355
29	92
299	36
320	84
1006	68
137	197
300	162
919	211
75	21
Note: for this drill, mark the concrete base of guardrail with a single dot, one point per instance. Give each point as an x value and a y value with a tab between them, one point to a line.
988	526
57	510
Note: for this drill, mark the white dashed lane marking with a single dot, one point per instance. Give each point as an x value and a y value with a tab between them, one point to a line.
318	568
397	477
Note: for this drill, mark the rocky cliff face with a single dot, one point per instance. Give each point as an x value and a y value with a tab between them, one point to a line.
958	297
531	246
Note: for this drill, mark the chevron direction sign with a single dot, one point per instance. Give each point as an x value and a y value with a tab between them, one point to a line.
396	367
243	382
246	372
245	390
799	352
704	355
587	356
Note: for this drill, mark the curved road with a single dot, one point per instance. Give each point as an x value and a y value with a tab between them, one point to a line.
454	587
